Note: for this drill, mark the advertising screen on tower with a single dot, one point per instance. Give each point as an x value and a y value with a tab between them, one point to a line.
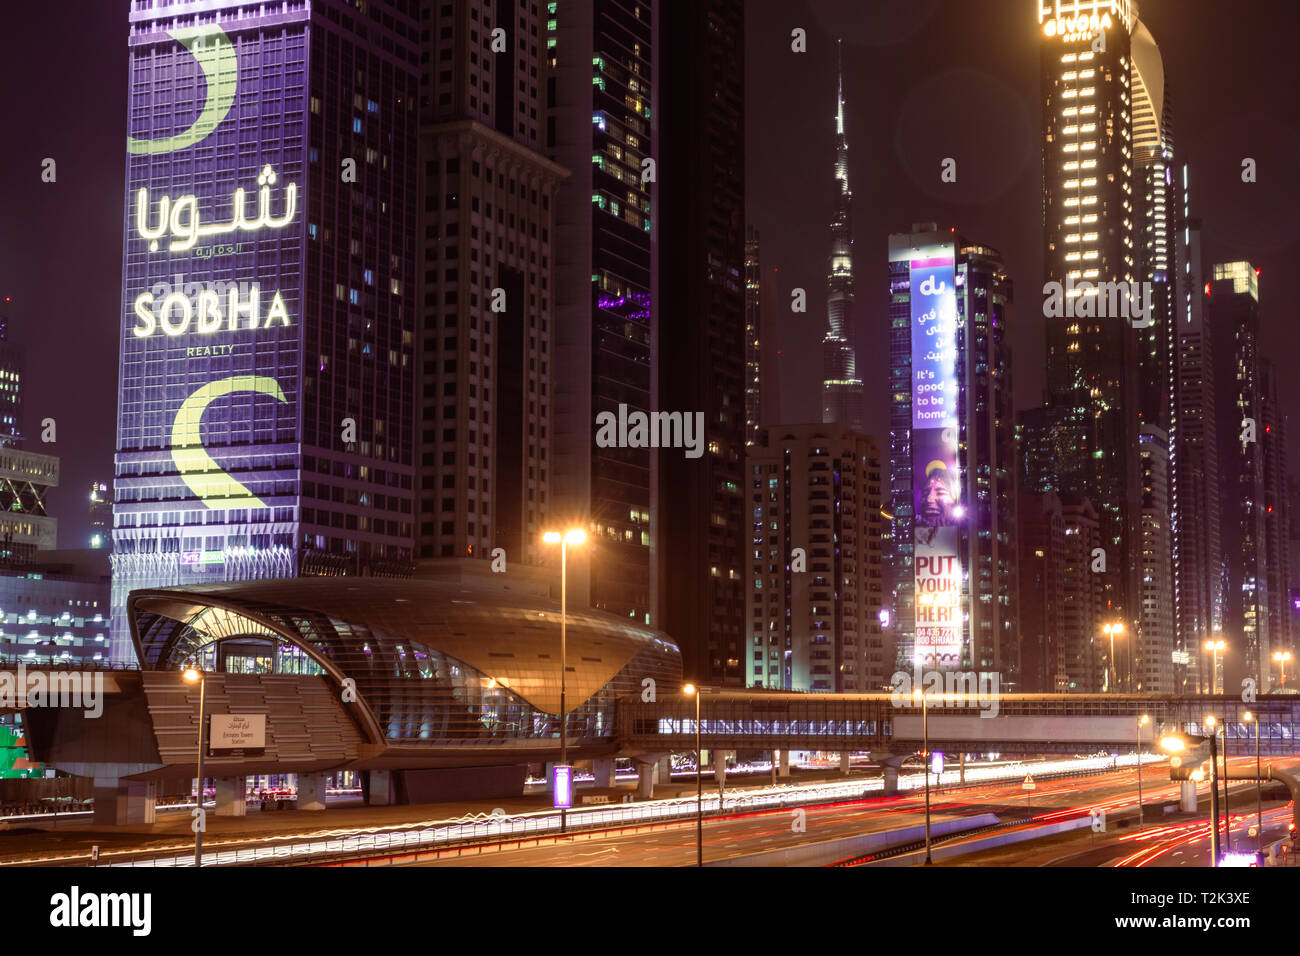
211	333
936	478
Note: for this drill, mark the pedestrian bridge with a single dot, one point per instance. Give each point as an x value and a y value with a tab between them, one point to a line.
1030	723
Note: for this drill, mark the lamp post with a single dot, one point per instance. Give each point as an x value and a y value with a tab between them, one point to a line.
698	692
1282	657
1259	788
1110	630
193	674
1227	816
925	759
1175	744
1142	722
574	536
1215	647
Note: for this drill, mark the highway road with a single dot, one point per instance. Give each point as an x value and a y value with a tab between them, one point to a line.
746	834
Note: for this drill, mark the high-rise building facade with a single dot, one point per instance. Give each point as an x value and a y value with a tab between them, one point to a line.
1150	664
602	126
699	523
1043	544
26	526
1086	612
1091	235
814	565
1276	505
842	392
1195	491
753	336
967	491
11	383
101	515
265	413
487	286
1234	318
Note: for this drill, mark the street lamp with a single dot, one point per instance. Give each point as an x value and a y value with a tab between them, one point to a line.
1282	657
925	759
1248	717
697	693
1142	722
1110	630
574	536
193	674
1176	744
1215	647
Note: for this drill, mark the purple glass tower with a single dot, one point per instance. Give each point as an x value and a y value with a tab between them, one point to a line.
265	385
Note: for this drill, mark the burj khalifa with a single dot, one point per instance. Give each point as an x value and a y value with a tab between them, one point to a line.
841	387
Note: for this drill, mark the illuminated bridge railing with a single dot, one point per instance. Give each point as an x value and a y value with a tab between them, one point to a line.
843	721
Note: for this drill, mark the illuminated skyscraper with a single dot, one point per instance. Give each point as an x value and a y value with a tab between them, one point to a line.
101	515
487	287
981	482
11	383
1099	66
815	627
1194	488
602	126
1233	308
841	388
753	336
265	413
699	521
1277	510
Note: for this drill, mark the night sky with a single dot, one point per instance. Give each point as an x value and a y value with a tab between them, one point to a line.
926	79
929	79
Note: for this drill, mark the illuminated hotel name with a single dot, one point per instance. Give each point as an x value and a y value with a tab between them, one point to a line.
1084	26
177	313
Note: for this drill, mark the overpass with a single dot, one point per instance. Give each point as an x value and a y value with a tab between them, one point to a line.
147	733
1038	723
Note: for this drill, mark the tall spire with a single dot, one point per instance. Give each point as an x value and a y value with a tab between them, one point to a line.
839	70
841	388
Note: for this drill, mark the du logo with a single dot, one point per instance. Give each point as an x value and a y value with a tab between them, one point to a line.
928	287
216	57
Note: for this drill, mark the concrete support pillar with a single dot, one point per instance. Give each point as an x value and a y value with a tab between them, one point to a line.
311	791
890	773
379	788
548	771
231	801
720	767
604	773
844	762
665	767
783	769
961	767
645	779
122	802
775	762
1187	796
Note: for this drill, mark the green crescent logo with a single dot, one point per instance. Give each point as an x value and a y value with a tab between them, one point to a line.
192	459
216	55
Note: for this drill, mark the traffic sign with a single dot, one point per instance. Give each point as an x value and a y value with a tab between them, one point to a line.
1029	783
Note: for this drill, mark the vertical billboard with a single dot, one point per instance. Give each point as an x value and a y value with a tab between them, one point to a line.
210	333
936	476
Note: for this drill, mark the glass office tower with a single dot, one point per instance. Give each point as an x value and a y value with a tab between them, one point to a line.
265	400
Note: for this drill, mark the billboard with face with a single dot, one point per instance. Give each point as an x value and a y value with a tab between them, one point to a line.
936	471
